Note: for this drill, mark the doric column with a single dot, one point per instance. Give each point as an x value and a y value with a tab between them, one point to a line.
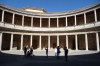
67	41
40	42
13	18
23	21
2	16
49	23
75	21
95	15
57	40
0	41
76	42
11	42
31	38
49	42
31	21
66	21
84	18
57	22
86	42
40	22
21	42
97	41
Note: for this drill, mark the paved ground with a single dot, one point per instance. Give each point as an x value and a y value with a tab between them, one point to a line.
75	58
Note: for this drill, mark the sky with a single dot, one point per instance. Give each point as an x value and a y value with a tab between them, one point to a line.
50	5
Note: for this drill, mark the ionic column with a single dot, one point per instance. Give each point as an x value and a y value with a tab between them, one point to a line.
97	41
2	16
31	21
67	41
84	18
76	42
95	15
13	18
11	42
57	22
49	42
57	40
75	21
31	38
21	42
0	41
49	23
23	21
86	42
66	21
40	22
40	42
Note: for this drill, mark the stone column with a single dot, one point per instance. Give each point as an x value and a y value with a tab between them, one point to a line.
11	42
86	42
13	18
40	42
21	42
97	41
84	18
57	22
1	40
49	42
67	41
40	22
49	23
66	21
23	21
31	38
76	42
2	16
75	21
57	40
95	15
31	21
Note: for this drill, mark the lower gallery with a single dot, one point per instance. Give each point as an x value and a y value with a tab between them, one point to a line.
77	30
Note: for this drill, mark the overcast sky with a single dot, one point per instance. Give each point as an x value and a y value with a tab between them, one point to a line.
50	5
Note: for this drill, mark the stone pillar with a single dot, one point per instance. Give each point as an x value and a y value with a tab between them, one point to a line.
40	22
67	41
1	40
49	42
86	42
76	42
75	21
97	41
23	21
84	18
13	18
2	16
31	21
31	38
21	42
95	15
57	40
11	42
40	42
66	21
57	22
49	23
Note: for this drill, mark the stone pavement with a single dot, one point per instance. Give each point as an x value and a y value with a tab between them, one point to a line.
75	58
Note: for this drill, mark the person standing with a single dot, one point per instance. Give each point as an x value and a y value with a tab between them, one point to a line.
25	51
31	51
66	53
46	52
58	52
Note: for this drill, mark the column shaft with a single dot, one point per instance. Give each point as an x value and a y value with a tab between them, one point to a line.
49	23
67	41
40	22
86	41
40	42
66	21
95	15
97	41
84	18
0	41
2	16
49	42
11	42
13	18
57	40
21	42
31	21
57	22
75	20
76	42
31	38
23	21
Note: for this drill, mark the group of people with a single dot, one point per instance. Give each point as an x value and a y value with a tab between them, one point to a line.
28	51
57	52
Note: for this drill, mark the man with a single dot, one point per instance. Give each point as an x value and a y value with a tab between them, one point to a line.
46	52
58	52
66	53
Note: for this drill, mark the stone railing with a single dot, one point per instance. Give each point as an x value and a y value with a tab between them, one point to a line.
28	28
